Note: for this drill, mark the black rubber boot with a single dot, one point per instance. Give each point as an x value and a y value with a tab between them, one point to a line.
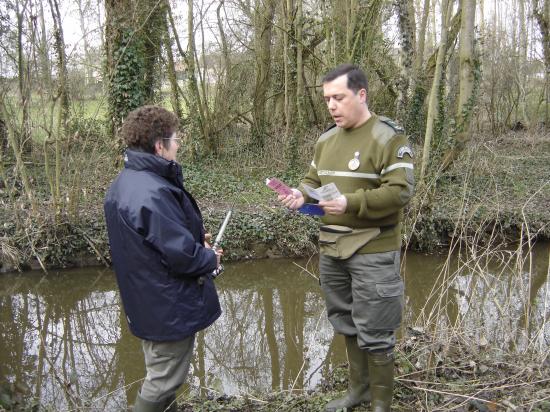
381	380
358	391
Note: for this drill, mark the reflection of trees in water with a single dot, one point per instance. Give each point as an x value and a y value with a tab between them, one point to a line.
507	303
292	305
265	339
67	339
500	296
60	344
234	349
271	337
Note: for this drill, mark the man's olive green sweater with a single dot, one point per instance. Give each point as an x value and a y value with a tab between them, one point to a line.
378	189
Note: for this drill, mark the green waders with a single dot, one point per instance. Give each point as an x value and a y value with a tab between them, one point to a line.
144	405
170	404
381	380
358	391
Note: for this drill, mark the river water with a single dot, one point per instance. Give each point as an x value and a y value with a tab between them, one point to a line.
64	338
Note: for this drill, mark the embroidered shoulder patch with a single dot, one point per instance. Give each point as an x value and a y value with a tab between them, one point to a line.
403	150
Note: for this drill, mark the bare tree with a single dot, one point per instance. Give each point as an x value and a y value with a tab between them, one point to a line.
264	12
419	58
407	28
171	68
522	75
24	80
62	94
83	8
466	96
541	11
434	93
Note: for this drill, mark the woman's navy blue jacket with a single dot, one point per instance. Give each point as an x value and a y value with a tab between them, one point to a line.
156	235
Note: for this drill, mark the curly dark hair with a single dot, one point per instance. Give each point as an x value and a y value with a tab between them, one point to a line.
144	126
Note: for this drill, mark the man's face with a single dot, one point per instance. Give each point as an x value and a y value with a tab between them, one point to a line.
168	148
346	107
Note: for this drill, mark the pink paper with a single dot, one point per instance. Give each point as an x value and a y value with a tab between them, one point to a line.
278	186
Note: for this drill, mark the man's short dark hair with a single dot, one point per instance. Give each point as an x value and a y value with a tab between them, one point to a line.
146	125
357	79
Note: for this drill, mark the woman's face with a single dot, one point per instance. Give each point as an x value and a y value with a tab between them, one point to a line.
168	148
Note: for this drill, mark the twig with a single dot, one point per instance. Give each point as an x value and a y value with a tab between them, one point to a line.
307	271
466	397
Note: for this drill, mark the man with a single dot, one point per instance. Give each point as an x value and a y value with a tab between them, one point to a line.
368	158
160	256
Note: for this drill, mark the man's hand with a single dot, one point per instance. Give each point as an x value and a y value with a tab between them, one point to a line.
335	207
293	201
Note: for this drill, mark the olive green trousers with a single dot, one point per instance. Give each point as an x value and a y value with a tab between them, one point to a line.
364	297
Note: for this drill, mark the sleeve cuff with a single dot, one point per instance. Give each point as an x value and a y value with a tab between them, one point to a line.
354	202
307	199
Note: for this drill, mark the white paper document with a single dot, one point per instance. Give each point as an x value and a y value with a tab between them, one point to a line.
326	192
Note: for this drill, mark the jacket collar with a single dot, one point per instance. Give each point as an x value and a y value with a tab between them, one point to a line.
137	160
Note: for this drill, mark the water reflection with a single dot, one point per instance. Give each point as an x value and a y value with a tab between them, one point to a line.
485	296
272	335
65	337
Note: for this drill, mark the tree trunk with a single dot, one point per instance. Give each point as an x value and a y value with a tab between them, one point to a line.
183	54
542	15
63	112
223	103
87	58
150	30
264	12
124	68
44	58
407	29
522	63
23	81
196	108
466	96
288	13
419	58
415	119
482	17
21	168
296	135
467	64
351	21
432	106
133	34
171	71
300	93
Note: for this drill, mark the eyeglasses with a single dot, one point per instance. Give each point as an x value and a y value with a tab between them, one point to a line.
176	139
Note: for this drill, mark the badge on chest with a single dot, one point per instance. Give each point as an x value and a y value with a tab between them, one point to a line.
354	163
